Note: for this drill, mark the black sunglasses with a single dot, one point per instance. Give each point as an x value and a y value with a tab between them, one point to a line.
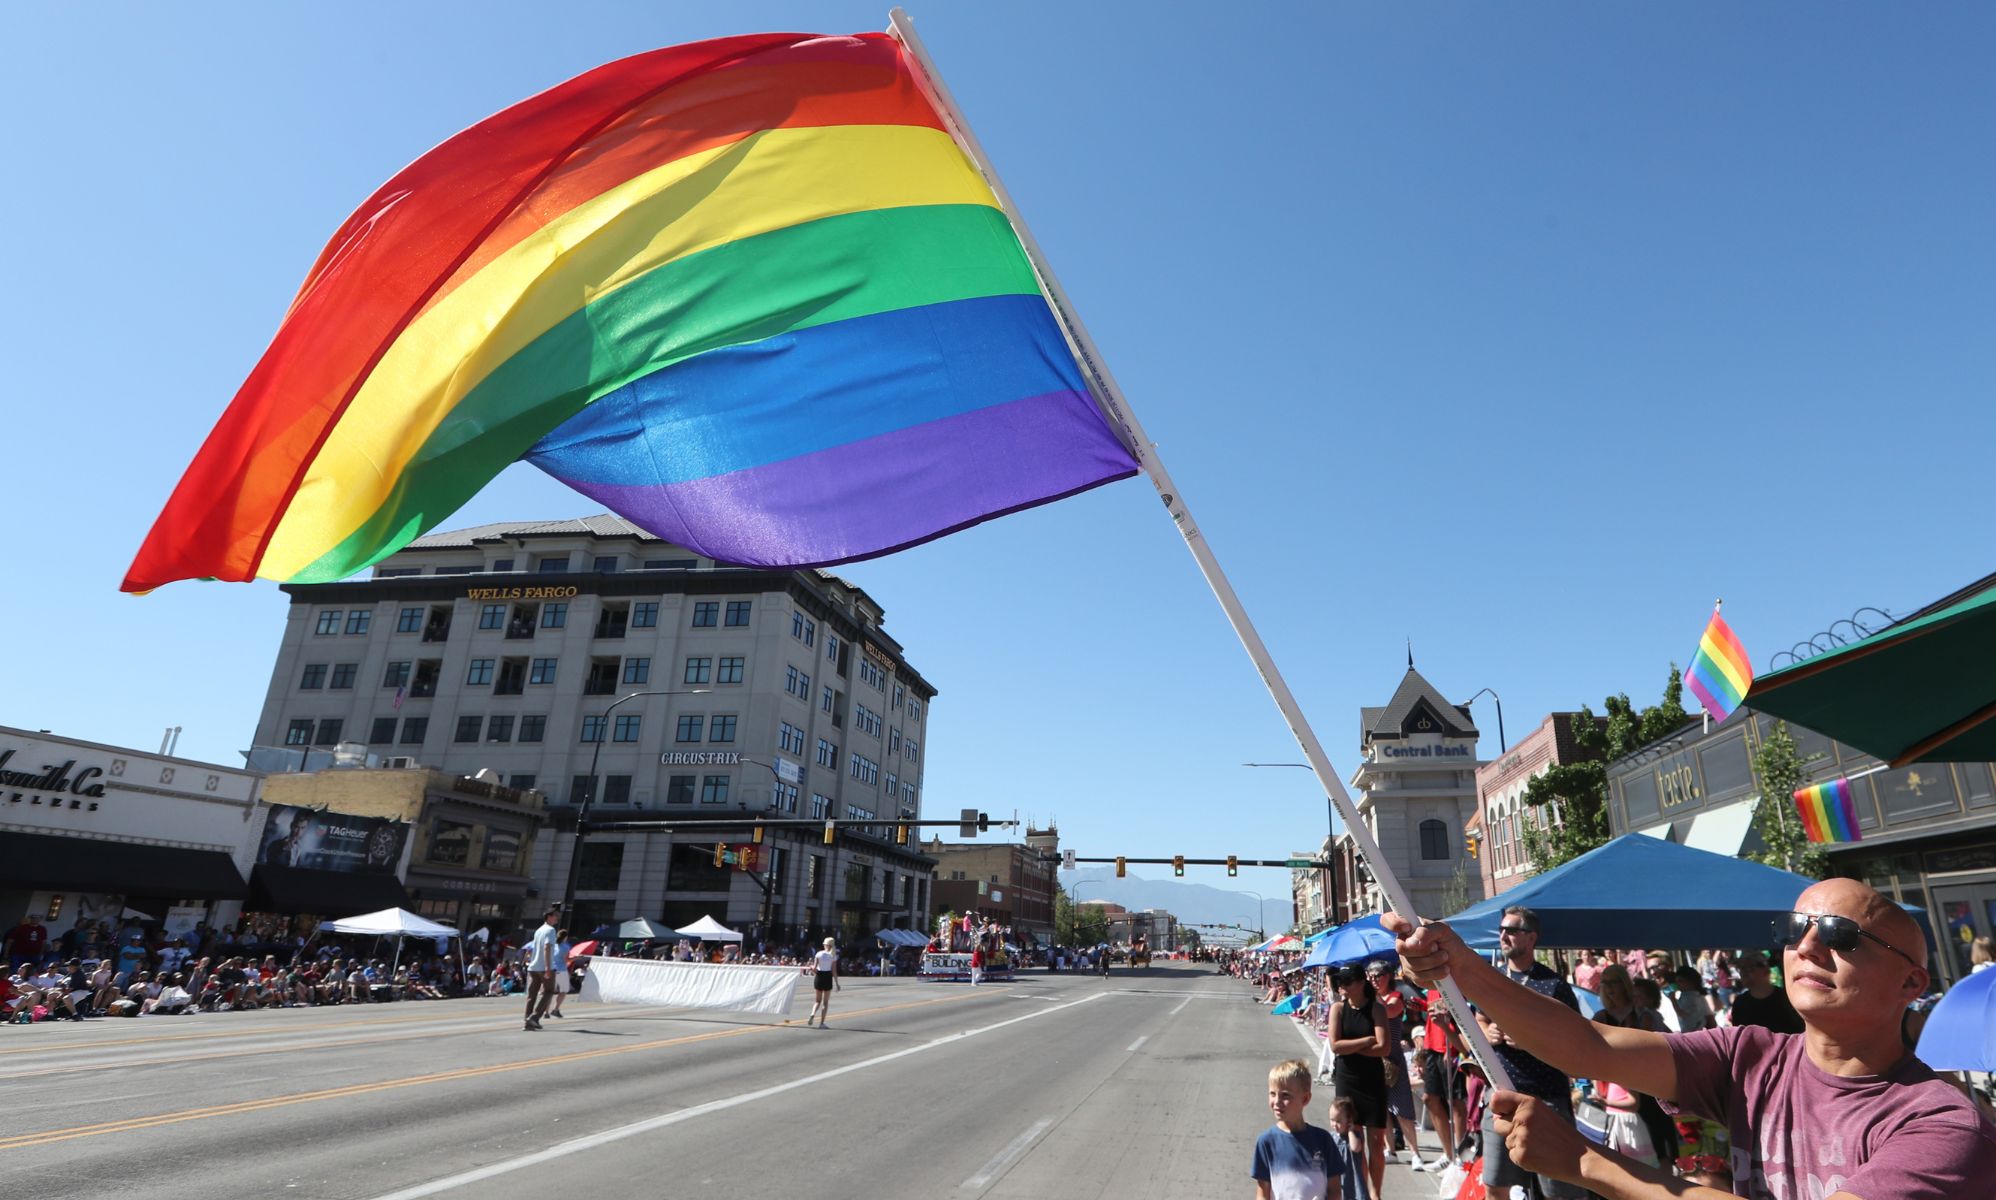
1837	933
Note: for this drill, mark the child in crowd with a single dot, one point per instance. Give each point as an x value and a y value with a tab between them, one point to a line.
1296	1160
1344	1126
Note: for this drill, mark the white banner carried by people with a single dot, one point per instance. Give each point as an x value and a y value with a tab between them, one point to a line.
731	986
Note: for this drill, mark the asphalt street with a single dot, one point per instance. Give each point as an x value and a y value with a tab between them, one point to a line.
1150	1084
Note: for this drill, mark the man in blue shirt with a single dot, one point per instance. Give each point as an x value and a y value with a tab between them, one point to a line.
540	968
1295	1160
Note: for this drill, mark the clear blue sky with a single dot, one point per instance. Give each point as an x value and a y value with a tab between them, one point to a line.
1520	331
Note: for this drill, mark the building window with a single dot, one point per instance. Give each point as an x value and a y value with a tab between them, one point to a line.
616	789
381	732
914	710
410	620
343	674
397	675
784	799
627	727
1434	839
679	790
738	612
359	619
533	728
606	564
552	564
821	808
698	670
893	787
914	750
798	684
893	741
414	730
500	566
644	614
689	728
468	729
832	648
492	616
826	703
714	789
480	672
554	616
637	670
789	738
705	613
329	621
522	781
299	733
592	728
602	867
828	754
669	564
542	671
314	678
721	729
499	729
900	694
732	669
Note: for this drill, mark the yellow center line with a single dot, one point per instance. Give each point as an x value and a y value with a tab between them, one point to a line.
227	1033
131	1124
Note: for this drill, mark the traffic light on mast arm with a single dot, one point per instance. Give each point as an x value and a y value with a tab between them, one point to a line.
1233	865
1122	868
1178	864
1470	845
720	854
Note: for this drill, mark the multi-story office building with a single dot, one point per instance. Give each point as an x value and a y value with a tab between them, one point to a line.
1500	798
698	691
1008	883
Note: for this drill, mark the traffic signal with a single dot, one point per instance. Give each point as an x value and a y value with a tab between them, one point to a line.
1469	846
1178	864
831	832
758	834
983	822
1122	868
1233	865
901	834
720	854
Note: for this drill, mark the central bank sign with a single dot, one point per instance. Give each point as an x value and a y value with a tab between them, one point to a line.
1391	751
700	758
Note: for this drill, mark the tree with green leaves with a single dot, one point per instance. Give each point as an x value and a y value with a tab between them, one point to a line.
1188	938
1077	924
1778	768
1571	798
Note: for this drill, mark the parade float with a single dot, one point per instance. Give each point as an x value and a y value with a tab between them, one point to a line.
947	959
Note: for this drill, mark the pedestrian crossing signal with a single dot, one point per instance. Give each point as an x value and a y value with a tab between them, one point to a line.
1178	864
1233	865
720	854
1122	867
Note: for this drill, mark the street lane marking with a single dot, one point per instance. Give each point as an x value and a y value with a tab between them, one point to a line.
1181	1006
1004	1159
258	1031
1030	996
129	1124
619	1133
1136	1044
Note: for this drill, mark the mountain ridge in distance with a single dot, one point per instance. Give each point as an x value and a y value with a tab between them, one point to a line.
1191	903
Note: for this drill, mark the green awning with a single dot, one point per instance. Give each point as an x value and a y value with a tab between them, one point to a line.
1920	691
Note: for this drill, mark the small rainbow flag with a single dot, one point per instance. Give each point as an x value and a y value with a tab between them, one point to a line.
1720	673
748	293
1828	812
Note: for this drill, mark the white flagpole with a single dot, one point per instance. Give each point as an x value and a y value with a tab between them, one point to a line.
1110	397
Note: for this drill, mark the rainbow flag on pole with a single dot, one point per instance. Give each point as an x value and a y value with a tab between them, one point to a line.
1828	812
1719	674
748	293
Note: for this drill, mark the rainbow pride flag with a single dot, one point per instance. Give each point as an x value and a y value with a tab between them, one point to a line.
1720	673
747	293
1828	812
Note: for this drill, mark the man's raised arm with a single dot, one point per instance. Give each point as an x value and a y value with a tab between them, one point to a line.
1541	1026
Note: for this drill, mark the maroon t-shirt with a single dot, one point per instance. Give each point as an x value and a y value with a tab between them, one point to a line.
1801	1133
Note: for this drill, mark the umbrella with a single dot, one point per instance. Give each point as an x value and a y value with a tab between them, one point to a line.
584	949
1361	941
1283	942
1590	1002
1960	1034
642	929
1294	1003
1901	694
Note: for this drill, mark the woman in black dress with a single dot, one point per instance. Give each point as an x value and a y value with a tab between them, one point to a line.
1358	1038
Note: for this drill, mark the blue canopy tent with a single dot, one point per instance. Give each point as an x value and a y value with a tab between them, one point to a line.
1647	892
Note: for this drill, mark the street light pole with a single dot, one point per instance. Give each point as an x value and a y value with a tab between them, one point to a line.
589	797
1332	806
1501	746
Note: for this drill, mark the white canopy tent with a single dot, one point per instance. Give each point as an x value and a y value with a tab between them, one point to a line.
397	923
707	929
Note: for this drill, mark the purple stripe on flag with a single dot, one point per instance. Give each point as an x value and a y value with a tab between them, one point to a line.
1710	702
883	493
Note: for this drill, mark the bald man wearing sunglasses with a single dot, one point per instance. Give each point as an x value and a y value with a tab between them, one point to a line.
1841	1111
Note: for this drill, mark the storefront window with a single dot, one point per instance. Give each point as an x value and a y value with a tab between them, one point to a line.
602	867
502	850
450	842
1921	790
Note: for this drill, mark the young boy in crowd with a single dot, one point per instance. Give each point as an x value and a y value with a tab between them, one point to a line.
1344	1126
1295	1160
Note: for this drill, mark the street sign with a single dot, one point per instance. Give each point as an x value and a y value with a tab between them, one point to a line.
787	771
1067	860
1302	862
968	828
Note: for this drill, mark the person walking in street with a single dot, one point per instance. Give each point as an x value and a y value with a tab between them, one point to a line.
1842	1111
541	950
824	978
562	983
977	964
